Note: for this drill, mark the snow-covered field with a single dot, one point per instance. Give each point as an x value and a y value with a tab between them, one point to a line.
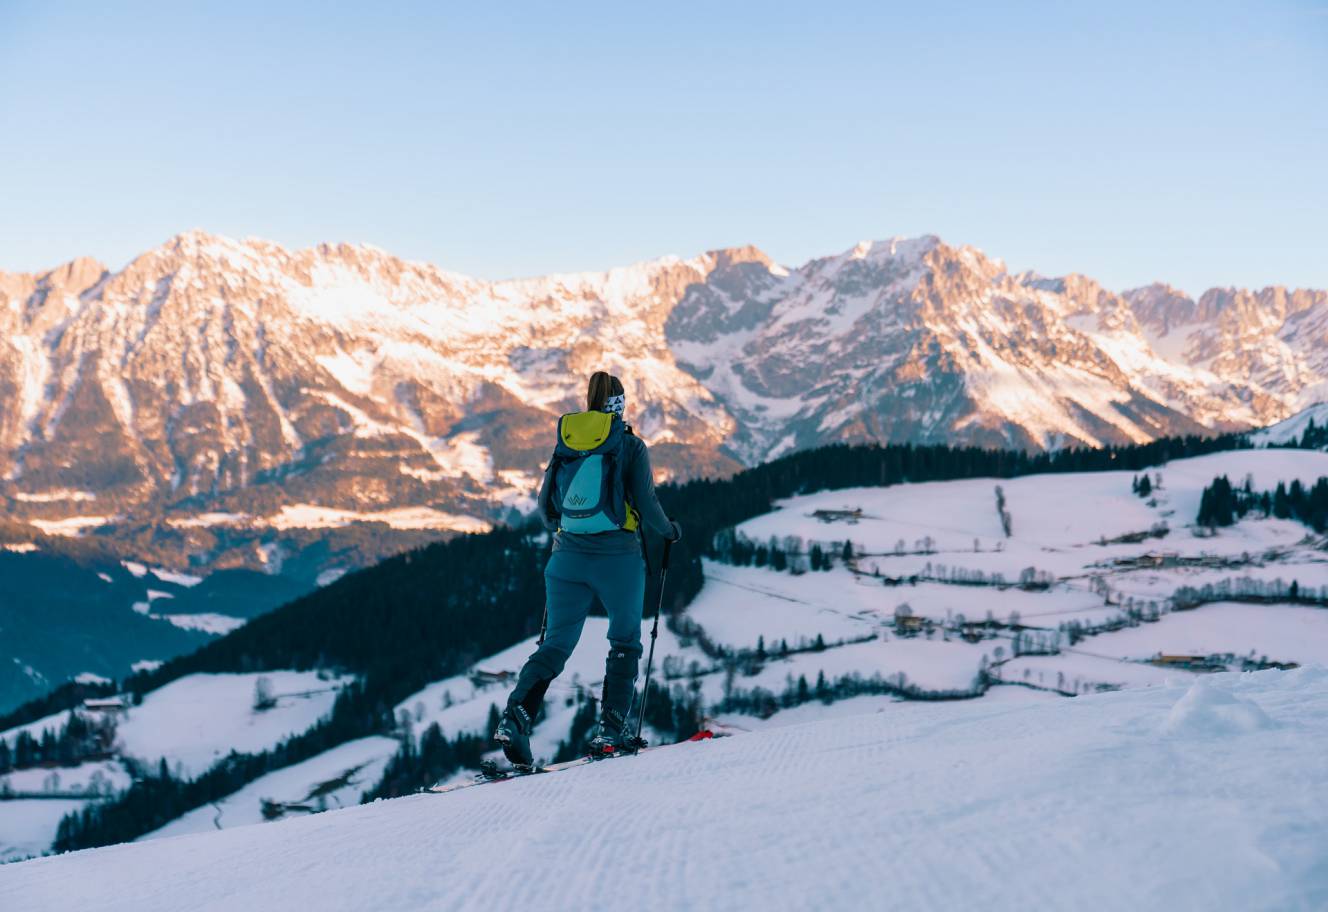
197	720
1292	633
334	779
28	827
95	777
191	723
1200	795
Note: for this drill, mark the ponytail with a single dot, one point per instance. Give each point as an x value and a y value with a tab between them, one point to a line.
602	386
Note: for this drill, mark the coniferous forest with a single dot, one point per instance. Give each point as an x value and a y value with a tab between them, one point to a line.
431	613
1222	504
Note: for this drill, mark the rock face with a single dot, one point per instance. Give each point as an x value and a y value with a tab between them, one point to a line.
217	396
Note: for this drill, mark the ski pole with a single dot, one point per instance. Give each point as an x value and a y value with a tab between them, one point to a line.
654	633
544	624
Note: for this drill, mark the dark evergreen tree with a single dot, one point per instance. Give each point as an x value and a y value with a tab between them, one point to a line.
1281	503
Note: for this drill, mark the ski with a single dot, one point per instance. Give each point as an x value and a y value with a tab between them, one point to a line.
492	771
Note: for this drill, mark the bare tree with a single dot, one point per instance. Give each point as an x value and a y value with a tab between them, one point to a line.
264	699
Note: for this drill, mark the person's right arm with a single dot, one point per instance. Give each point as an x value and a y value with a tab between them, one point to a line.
544	503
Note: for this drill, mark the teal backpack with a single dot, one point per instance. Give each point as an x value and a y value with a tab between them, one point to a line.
588	474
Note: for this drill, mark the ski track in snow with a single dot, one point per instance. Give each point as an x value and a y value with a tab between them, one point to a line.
1149	799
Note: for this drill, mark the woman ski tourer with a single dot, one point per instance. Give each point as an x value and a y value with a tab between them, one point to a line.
597	494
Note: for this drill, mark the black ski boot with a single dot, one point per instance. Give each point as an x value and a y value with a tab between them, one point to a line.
513	733
610	737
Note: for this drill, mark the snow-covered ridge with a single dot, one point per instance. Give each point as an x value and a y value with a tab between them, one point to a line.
1292	430
1193	795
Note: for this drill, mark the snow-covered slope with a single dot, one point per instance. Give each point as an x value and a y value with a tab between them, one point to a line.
191	724
1193	795
227	400
1291	430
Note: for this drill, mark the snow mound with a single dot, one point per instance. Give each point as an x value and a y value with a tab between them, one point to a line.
1046	805
1208	711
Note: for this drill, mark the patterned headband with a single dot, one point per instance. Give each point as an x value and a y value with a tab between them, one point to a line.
615	405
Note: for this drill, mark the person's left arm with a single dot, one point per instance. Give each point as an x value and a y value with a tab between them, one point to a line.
641	487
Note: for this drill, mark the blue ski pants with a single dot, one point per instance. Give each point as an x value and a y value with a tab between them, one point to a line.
573	582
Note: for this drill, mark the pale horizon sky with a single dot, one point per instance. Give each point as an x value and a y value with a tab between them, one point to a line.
1131	142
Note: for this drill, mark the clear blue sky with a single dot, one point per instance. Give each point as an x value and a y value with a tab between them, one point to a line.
1129	141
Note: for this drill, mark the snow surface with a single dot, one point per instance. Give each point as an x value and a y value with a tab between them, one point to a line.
61	495
204	520
328	577
208	622
1203	795
180	579
309	516
70	526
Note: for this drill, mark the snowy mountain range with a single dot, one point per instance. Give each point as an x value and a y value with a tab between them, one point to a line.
215	399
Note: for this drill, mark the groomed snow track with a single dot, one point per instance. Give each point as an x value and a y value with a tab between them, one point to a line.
1207	795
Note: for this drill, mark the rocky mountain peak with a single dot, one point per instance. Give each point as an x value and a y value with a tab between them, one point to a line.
732	256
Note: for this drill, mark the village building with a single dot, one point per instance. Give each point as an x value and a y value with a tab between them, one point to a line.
106	706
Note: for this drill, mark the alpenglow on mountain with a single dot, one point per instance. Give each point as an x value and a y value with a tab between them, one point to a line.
231	392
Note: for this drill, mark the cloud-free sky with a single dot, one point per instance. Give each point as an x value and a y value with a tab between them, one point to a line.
1130	141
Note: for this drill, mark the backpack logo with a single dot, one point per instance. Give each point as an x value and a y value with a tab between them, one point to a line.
576	500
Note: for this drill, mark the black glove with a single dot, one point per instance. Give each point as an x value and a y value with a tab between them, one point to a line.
677	531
